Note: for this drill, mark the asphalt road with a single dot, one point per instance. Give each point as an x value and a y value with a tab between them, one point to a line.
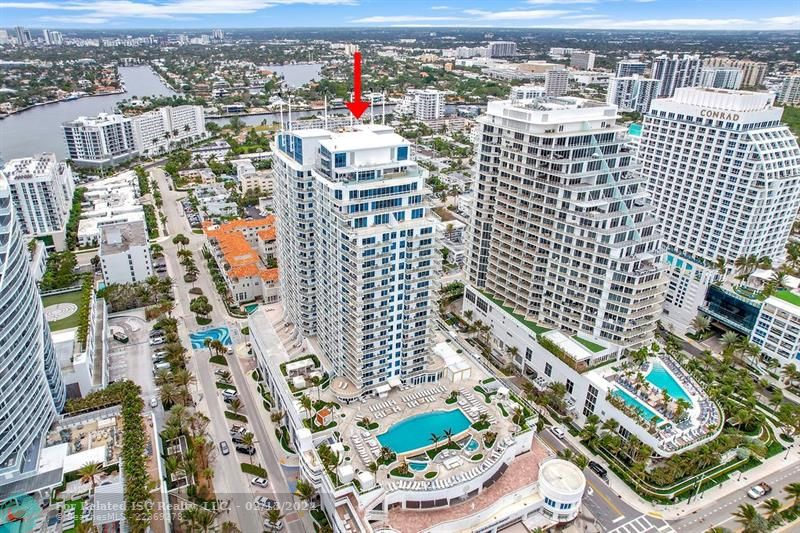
719	511
229	481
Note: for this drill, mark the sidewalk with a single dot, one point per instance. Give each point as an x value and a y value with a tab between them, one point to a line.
672	512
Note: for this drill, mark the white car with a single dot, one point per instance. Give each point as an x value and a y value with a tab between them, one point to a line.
273	527
259	482
558	432
153	402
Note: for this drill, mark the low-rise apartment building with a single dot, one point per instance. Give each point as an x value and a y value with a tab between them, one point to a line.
237	247
125	252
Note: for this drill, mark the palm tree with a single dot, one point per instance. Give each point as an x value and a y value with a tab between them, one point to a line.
204	520
315	381
701	323
230	527
773	507
235	406
180	239
249	440
448	433
170	394
581	461
365	421
217	346
721	266
207	344
793	490
305	490
729	341
750	518
273	517
89	471
307	404
789	373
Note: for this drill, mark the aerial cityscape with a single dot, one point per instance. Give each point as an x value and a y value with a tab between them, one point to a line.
357	266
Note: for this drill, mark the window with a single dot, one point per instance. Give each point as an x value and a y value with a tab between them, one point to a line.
548	369
591	400
340	160
570	386
402	153
416	213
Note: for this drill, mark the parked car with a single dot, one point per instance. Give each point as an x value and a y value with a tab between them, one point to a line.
228	393
260	482
757	491
223	447
120	336
247	450
265	503
157	341
558	432
238	430
153	402
161	365
277	526
156	333
598	469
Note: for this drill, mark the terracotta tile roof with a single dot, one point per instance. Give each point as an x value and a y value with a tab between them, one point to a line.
244	261
270	274
267	234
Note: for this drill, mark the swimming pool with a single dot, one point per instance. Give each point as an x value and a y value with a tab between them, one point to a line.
415	432
220	334
643	409
472	445
419	467
661	378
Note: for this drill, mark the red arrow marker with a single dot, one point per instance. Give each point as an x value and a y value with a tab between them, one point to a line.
357	107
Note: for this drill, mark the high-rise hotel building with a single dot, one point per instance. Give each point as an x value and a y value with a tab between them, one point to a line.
562	233
724	177
358	251
31	389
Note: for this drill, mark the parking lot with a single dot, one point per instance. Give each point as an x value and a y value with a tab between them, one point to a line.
132	360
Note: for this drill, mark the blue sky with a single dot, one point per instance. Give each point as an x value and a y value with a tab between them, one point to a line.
599	14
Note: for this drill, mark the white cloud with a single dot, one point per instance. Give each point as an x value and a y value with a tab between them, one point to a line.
115	9
76	19
440	8
559	2
516	15
394	19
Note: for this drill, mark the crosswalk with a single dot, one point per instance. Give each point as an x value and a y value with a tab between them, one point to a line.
644	524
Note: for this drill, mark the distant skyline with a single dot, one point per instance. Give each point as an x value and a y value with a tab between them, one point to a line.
582	14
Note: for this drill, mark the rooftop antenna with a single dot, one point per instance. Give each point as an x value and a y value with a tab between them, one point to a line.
325	115
290	112
371	110
383	108
282	126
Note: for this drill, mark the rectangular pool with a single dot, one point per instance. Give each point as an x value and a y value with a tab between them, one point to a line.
415	432
661	378
643	409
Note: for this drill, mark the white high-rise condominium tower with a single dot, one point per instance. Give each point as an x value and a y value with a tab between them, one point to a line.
630	68
556	82
359	263
676	71
562	232
41	189
632	93
31	389
501	49
424	104
582	60
724	176
790	90
721	77
101	140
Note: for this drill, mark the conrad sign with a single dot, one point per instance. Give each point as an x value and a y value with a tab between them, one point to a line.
722	115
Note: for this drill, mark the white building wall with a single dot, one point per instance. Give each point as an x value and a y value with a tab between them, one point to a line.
777	331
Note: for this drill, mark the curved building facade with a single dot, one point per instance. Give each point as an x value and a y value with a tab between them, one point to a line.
31	388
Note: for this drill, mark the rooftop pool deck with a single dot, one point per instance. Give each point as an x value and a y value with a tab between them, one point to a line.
660	377
415	432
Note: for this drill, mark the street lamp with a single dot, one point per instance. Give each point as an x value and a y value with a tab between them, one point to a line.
788	449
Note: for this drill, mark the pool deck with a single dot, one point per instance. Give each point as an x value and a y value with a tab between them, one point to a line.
405	402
